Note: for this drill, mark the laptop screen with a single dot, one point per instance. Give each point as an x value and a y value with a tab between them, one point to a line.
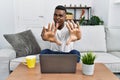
58	63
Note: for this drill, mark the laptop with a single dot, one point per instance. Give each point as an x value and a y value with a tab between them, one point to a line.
58	63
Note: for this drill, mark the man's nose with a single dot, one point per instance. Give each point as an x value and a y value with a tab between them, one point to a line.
58	17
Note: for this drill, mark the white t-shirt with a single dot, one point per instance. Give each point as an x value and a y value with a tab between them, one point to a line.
62	35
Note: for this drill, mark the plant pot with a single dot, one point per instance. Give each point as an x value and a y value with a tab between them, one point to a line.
88	69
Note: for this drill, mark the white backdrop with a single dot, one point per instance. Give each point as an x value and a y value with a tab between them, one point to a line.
18	15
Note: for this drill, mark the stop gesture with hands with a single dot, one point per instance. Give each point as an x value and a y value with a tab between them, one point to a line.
48	34
74	30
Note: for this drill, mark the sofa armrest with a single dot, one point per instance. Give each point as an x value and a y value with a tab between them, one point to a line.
7	53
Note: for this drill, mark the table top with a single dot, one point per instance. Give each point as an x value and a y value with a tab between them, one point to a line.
23	73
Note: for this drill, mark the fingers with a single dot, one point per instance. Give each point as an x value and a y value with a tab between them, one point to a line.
58	42
68	41
53	27
68	26
72	25
43	32
49	27
78	25
56	27
55	41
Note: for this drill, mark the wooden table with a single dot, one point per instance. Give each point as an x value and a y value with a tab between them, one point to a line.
23	73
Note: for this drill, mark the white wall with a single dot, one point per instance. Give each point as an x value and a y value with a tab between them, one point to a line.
109	11
6	19
101	9
8	13
114	14
105	9
27	12
51	4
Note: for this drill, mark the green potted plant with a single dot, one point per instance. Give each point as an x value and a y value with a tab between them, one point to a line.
88	63
94	20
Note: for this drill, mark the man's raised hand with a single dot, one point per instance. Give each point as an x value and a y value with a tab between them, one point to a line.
74	30
48	34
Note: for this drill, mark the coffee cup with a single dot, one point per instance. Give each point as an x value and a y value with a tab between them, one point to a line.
30	61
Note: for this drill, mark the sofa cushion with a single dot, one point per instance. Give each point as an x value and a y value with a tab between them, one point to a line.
93	39
37	33
113	39
117	54
24	43
103	57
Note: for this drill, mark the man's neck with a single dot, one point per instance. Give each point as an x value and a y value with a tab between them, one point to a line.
60	27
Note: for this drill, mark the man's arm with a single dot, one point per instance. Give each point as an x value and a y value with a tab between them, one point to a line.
48	34
75	33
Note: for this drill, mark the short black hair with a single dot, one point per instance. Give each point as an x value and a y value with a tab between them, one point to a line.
60	7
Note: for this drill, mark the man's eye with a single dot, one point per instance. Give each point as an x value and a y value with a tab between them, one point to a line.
61	15
55	14
58	15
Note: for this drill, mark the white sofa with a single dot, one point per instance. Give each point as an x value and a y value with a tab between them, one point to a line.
104	42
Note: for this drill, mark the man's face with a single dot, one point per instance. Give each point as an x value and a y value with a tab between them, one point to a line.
59	17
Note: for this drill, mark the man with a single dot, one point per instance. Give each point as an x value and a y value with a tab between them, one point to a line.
61	34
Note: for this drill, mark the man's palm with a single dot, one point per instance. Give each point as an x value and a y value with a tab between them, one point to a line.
74	31
49	34
74	35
